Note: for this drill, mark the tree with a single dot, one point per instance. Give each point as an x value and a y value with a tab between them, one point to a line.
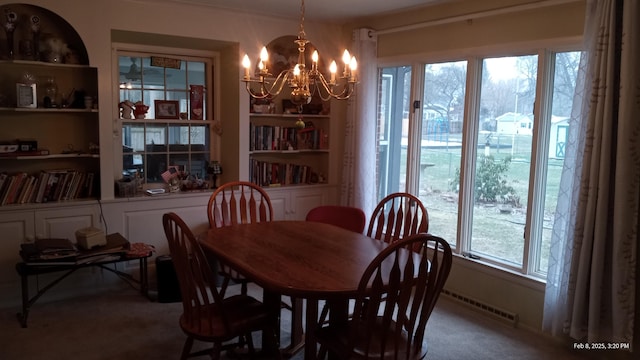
444	89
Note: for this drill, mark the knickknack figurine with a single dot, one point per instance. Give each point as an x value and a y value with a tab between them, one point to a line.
140	110
9	28
126	109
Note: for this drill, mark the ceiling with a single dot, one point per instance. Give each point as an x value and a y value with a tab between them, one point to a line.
317	10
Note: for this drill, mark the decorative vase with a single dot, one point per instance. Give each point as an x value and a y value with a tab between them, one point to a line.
50	93
9	33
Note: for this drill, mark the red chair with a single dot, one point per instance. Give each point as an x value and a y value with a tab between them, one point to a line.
346	217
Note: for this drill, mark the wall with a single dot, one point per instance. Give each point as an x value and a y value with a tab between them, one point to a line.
450	31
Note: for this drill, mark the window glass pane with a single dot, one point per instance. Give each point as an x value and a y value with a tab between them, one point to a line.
393	120
564	83
441	145
155	138
178	138
196	73
152	76
156	165
132	145
199	138
503	158
177	78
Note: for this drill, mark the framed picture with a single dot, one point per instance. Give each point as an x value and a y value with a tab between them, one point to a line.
26	96
167	109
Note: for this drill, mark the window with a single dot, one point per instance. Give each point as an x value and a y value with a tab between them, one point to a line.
179	86
498	205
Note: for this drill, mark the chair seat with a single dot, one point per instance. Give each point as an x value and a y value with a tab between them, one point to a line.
247	313
335	338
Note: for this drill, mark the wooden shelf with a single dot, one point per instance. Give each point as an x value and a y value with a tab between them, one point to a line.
290	116
48	110
164	121
8	156
43	63
255	152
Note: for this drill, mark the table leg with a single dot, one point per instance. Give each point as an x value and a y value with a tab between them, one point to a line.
297	333
144	280
310	347
272	302
338	317
22	317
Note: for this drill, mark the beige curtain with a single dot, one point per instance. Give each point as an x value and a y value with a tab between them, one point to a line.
359	160
591	284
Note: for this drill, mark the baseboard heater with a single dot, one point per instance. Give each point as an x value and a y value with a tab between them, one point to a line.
499	314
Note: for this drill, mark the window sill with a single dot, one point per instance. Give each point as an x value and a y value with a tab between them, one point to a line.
491	269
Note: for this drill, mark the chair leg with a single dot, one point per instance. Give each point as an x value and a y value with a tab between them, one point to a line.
322	353
186	348
223	287
323	315
216	350
249	341
244	288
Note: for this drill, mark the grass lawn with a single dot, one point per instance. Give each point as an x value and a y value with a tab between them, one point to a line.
495	233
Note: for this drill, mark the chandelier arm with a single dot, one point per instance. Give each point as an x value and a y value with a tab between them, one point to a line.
324	86
257	95
347	90
267	91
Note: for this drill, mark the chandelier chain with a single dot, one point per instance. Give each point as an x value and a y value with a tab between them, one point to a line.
301	33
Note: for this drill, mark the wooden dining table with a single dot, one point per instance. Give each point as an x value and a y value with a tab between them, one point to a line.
304	260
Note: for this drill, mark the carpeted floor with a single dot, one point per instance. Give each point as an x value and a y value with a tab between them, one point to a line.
119	324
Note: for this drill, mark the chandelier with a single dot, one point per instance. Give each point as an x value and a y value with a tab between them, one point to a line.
304	82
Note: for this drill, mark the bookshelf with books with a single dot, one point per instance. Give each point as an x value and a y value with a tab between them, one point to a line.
284	154
50	118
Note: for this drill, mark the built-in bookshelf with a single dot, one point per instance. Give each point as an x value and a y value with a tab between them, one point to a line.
46	186
283	154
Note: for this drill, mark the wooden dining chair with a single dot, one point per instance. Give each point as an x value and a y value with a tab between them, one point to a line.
207	315
396	296
397	216
346	217
237	202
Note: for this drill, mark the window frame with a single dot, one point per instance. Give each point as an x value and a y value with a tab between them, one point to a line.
211	60
540	142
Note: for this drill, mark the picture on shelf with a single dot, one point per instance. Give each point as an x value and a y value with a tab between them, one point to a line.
166	109
26	95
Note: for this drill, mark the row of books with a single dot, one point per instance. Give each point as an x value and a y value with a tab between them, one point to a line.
59	251
265	137
48	185
265	173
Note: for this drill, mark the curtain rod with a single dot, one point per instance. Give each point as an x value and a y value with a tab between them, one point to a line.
475	15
